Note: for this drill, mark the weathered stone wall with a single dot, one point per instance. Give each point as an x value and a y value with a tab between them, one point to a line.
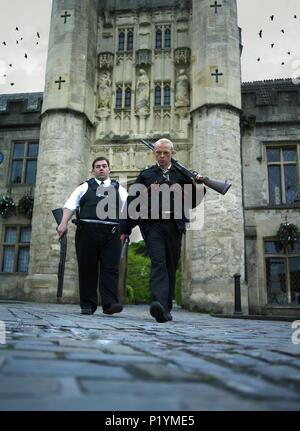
270	116
271	111
215	46
66	133
122	69
218	248
19	121
62	165
72	57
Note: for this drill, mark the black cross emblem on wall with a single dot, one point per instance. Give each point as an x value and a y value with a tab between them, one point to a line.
216	5
65	16
217	74
59	82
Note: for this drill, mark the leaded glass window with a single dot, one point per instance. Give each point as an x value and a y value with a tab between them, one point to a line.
282	272
282	175
15	249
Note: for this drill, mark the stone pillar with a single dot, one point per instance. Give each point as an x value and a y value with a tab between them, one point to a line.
217	250
63	163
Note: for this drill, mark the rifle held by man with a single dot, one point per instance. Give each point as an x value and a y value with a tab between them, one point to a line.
217	185
123	270
58	214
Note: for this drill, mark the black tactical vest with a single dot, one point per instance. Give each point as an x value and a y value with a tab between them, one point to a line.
89	201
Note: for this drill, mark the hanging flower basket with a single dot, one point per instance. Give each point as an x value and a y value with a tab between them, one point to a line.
288	234
7	206
25	205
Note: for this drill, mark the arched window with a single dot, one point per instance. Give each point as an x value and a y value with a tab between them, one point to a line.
121	41
129	41
168	38
158	40
157	97
167	95
128	98
119	98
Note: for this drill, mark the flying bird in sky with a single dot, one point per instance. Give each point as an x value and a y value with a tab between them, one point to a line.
272	45
17	28
12	83
4	43
272	17
38	34
25	55
10	65
295	16
258	59
260	33
282	30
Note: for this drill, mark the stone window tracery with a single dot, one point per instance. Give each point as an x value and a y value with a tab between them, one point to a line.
125	39
15	249
282	165
282	272
162	94
163	37
123	97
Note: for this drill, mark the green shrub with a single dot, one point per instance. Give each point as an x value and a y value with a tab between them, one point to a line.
139	248
178	286
138	276
130	294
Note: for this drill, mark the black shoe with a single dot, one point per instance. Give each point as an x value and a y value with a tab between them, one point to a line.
159	312
86	311
169	316
113	308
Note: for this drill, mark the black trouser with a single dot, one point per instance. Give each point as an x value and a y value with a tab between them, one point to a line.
95	243
163	240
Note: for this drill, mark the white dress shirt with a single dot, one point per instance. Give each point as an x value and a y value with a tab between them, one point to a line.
73	201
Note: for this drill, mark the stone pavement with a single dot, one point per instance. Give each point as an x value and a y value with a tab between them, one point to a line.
54	358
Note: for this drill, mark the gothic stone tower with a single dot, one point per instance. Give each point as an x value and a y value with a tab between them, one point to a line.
67	118
216	252
119	71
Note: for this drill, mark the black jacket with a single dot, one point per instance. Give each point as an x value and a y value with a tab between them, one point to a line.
176	180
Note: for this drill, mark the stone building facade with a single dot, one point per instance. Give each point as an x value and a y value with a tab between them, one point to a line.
121	71
270	130
20	125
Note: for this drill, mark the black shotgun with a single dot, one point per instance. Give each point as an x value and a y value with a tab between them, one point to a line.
217	185
123	270
58	214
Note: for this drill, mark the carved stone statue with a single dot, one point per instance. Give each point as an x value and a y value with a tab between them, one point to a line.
104	91
182	90
142	93
107	18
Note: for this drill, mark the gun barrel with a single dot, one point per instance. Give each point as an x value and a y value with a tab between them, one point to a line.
58	214
217	185
123	270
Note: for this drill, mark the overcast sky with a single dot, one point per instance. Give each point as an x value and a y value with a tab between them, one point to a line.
33	16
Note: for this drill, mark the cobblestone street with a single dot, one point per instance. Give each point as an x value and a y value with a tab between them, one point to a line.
54	358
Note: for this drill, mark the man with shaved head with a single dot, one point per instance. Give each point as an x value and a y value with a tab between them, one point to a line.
164	225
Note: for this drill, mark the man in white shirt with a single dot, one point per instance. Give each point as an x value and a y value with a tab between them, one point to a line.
97	237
